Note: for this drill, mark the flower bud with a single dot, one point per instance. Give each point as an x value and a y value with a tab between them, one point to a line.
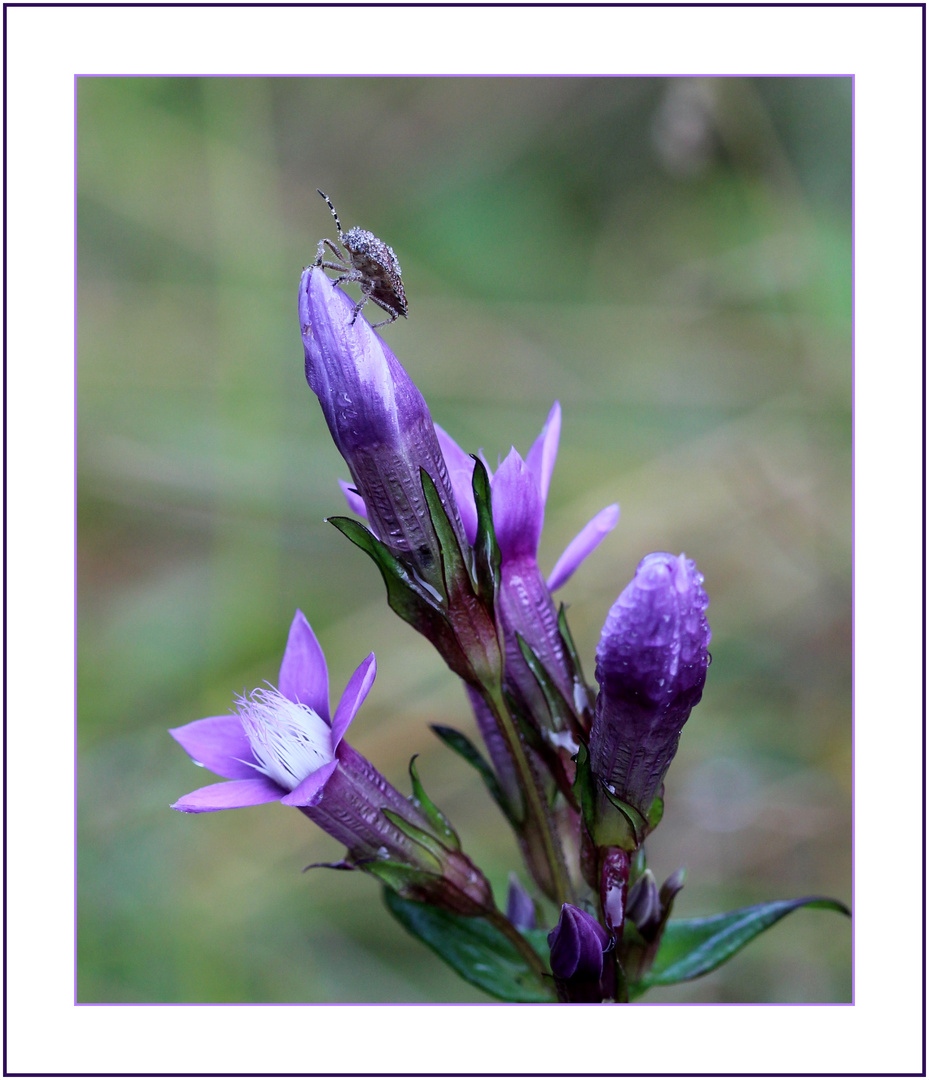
651	667
379	422
578	944
644	905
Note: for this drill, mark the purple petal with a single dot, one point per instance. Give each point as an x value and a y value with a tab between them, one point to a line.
355	693
518	508
310	791
219	744
582	545
304	677
230	796
542	454
355	502
652	662
577	945
460	470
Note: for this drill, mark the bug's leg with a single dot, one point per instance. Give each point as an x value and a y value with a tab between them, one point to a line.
361	303
347	275
321	251
393	316
391	311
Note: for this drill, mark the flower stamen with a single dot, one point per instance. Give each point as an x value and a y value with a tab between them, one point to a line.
290	741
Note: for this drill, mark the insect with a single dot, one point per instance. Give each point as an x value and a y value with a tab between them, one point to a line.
371	263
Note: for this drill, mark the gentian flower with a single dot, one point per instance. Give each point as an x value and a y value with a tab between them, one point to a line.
578	947
519	491
525	522
379	422
280	745
652	661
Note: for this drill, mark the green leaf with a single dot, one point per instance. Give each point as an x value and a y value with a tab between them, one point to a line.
404	593
692	947
463	746
580	683
431	812
418	836
475	948
562	713
454	570
486	549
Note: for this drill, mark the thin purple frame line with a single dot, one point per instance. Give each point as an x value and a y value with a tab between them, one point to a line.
854	907
74	442
459	75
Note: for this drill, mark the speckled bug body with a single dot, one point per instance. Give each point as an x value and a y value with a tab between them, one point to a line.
371	263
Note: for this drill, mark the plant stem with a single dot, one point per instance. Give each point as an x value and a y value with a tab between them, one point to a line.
534	804
532	958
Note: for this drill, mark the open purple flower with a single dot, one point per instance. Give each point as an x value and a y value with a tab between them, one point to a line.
280	743
520	491
379	422
652	661
281	746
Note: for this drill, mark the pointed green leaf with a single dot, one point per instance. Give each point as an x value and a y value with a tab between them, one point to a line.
561	711
404	593
692	947
454	571
486	549
463	746
429	810
417	835
580	683
475	948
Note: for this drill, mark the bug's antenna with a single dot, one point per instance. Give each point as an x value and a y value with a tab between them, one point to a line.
338	224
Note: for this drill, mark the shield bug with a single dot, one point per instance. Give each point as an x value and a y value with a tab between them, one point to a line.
371	263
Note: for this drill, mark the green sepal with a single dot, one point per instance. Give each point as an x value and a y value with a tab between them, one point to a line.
563	717
425	840
610	821
486	549
638	864
473	947
578	672
431	812
404	593
626	829
395	875
463	746
692	947
655	813
584	786
454	569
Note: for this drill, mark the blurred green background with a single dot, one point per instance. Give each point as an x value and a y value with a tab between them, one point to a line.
671	259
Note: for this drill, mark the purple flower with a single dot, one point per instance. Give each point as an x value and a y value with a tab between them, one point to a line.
651	666
578	945
379	423
280	745
519	490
